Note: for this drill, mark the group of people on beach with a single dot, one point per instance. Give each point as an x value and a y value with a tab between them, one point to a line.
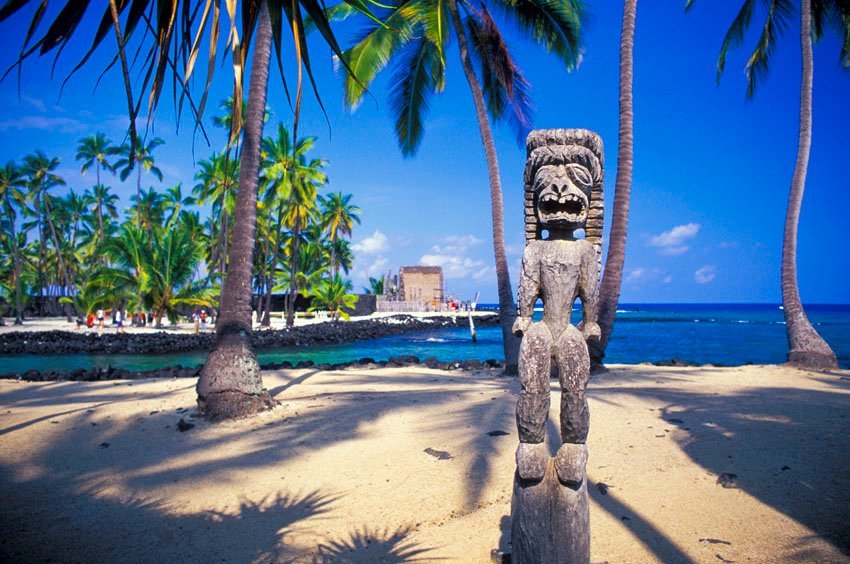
97	320
200	319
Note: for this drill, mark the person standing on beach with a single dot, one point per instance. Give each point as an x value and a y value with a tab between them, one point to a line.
203	321
100	315
119	321
196	320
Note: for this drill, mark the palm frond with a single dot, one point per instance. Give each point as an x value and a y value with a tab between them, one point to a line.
735	34
554	24
413	82
758	65
371	54
504	87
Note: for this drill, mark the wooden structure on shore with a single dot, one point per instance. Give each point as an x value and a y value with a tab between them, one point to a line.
416	288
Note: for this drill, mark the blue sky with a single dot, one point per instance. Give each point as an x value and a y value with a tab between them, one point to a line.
711	177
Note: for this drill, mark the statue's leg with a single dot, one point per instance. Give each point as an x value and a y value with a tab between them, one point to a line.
532	409
574	371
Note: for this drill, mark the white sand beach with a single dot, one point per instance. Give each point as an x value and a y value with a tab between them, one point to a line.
278	321
99	471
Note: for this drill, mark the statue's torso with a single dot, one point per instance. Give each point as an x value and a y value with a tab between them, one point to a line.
559	263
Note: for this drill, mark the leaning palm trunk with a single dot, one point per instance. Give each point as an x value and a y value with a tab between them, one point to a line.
807	348
609	289
507	309
230	385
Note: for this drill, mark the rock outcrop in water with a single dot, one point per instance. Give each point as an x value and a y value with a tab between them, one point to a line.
65	342
112	373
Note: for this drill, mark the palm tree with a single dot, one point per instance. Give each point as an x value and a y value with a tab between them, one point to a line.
217	181
612	277
129	257
149	209
421	42
807	348
333	295
230	384
172	264
376	286
103	203
339	217
38	170
138	155
176	202
12	183
291	186
94	151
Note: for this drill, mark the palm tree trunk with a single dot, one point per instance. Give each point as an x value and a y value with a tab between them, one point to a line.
230	384
609	289
267	316
807	348
507	309
293	261
99	204
139	192
16	269
41	253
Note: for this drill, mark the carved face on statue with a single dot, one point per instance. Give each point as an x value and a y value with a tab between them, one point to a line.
562	184
562	195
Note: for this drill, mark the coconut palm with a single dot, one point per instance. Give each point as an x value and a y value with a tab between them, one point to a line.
376	286
292	181
339	216
171	267
217	181
39	171
806	347
94	150
175	201
12	184
139	156
103	203
419	50
612	277
333	295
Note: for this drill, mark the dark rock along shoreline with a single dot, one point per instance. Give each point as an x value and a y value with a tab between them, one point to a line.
66	342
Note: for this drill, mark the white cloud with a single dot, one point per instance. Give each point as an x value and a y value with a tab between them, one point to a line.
728	244
35	103
641	274
674	242
61	124
452	254
456	244
456	266
705	274
374	244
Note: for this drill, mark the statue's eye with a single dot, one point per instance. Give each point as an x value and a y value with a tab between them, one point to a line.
580	175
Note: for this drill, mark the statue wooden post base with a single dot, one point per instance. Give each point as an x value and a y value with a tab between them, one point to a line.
549	520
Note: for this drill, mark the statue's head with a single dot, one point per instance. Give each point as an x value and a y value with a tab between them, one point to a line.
563	182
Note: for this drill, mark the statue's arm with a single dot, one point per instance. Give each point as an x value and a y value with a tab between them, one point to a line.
528	292
588	280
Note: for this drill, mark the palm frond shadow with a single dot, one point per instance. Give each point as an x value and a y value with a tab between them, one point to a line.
367	545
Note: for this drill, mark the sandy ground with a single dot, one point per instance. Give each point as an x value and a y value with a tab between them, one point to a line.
278	321
99	472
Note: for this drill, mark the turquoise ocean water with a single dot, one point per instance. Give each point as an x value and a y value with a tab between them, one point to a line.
729	334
